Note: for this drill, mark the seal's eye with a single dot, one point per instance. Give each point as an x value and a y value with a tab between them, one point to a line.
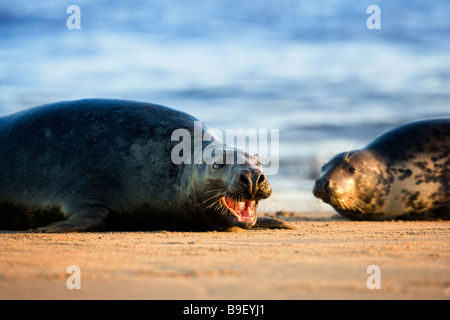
352	170
218	166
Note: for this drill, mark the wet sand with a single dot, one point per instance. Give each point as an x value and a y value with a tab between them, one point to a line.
325	258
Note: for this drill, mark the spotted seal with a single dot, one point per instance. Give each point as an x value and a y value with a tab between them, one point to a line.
101	164
402	174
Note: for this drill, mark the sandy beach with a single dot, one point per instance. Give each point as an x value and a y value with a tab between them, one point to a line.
325	258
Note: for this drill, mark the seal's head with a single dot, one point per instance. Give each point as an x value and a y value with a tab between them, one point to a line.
352	184
232	187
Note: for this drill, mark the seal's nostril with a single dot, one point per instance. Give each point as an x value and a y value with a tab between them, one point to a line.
261	179
254	182
243	178
322	185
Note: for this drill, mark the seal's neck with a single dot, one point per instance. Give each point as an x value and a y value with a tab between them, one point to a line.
189	187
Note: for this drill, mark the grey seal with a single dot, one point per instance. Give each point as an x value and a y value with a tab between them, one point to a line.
402	174
102	164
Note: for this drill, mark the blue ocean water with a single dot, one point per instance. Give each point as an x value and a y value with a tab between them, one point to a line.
311	69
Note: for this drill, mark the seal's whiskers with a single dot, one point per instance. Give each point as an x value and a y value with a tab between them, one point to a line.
353	204
272	203
218	195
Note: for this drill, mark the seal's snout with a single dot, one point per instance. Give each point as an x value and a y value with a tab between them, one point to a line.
249	186
322	188
254	183
251	180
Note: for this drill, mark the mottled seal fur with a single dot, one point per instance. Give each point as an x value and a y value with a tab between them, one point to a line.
402	174
99	164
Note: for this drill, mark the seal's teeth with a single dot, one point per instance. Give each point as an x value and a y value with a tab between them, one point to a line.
244	211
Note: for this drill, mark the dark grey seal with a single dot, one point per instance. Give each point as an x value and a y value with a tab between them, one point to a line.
100	164
402	174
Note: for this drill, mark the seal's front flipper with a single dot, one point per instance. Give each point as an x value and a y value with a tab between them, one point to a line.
273	223
71	226
90	219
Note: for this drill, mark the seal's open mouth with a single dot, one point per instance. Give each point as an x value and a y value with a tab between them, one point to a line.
244	212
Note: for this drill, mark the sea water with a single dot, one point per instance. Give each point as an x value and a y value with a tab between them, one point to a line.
312	70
